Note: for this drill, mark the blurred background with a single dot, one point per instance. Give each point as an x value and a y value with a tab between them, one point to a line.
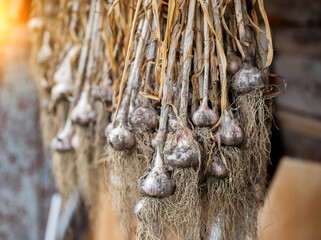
293	208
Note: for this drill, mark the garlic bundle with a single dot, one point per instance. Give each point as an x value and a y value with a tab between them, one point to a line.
172	97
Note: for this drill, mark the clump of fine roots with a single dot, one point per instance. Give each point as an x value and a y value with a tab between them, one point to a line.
85	167
125	168
255	117
152	219
232	200
184	208
63	153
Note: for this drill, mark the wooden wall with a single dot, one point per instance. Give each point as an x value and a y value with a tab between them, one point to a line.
296	32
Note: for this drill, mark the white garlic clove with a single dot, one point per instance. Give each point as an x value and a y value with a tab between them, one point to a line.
44	53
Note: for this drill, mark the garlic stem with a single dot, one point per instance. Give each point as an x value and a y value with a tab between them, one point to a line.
45	51
199	51
84	52
135	70
187	56
206	62
218	29
240	19
205	116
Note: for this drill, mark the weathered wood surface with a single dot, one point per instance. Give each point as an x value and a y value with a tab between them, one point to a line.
25	178
292	209
296	31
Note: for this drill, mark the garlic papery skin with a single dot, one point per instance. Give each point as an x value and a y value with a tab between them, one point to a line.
205	116
233	63
62	89
94	93
217	168
248	78
120	138
181	150
157	182
64	72
63	142
172	123
35	24
145	118
83	112
105	90
231	134
45	51
45	85
63	77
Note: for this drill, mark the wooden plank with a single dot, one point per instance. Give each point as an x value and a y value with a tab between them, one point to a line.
297	41
299	123
306	12
106	225
304	83
293	207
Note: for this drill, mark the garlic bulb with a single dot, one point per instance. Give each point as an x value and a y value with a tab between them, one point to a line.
83	112
157	182
63	77
35	24
181	150
205	116
120	138
231	134
144	117
65	141
105	90
217	168
248	78
45	51
60	90
64	72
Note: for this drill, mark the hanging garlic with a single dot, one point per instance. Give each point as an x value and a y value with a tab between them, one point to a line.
35	24
231	134
63	77
105	90
83	112
157	182
248	78
64	72
66	140
45	51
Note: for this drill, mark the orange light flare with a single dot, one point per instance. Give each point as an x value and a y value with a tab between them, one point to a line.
12	14
4	18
